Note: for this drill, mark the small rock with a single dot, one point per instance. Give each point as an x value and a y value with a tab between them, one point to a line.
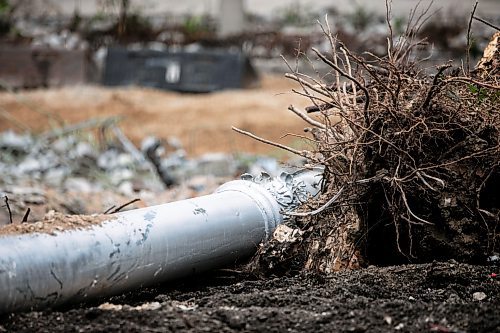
50	215
31	195
126	188
217	164
78	184
64	144
120	175
15	142
29	165
493	259
479	296
110	307
82	149
147	307
185	306
56	176
113	159
399	326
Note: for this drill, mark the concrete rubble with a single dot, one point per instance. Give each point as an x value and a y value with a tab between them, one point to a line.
75	173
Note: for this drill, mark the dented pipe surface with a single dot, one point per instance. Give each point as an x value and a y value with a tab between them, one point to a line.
149	245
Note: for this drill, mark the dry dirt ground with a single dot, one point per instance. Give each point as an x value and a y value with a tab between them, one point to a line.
201	121
436	297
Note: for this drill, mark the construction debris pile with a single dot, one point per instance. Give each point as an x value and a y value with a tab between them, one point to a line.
411	161
78	170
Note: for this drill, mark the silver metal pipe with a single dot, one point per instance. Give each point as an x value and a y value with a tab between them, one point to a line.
149	245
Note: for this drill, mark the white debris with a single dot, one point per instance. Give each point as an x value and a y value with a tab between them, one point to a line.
284	233
479	296
118	307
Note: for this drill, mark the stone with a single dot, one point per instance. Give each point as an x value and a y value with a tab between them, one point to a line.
479	296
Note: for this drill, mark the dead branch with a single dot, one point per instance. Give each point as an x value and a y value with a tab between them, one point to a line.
109	209
346	75
26	215
319	89
491	25
434	85
306	118
302	153
6	199
119	208
471	80
319	108
299	137
467	54
321	209
91	123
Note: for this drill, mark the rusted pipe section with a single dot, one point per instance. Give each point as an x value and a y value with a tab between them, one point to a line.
149	245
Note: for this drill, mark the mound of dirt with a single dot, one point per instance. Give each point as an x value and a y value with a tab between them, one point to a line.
202	122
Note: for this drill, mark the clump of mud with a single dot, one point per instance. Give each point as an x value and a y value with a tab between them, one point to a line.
411	161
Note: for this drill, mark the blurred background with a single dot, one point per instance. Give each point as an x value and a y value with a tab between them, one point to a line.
107	100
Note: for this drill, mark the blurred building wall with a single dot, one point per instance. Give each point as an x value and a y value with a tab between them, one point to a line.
231	17
31	67
270	7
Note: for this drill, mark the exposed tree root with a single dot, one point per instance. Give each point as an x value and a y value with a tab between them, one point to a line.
411	161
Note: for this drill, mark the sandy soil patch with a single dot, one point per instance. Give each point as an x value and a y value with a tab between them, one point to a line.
201	121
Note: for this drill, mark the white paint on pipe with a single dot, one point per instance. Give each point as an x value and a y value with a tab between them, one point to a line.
140	247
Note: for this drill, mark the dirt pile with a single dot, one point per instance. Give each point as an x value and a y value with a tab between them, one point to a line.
411	161
190	118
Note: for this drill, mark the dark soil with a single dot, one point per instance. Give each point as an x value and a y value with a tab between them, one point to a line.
437	297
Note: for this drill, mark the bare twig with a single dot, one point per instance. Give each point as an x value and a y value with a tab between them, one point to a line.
471	80
320	90
405	201
119	208
346	75
6	199
96	122
109	209
320	209
388	17
299	137
434	86
306	118
491	25
313	99
26	215
322	107
302	153
467	54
